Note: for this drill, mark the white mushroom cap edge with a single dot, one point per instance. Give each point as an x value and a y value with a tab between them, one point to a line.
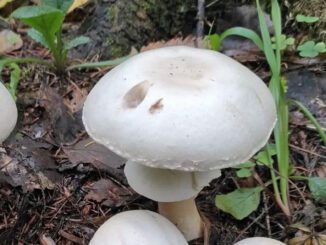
138	227
259	241
8	113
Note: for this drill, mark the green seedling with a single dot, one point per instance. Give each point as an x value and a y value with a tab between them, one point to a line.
285	42
306	19
311	49
46	22
244	169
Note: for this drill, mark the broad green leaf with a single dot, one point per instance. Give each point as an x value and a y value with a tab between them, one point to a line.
311	49
38	37
45	19
245	165
76	42
243	173
306	19
265	157
63	5
317	186
320	47
239	203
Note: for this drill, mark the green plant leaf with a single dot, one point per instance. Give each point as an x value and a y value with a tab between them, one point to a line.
306	19
239	203
320	47
243	32
310	49
214	41
63	5
243	173
311	117
245	165
15	75
44	19
265	157
76	42
317	186
38	37
284	42
290	41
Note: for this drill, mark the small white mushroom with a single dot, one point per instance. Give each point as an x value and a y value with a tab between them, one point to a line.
138	227
259	241
180	109
8	113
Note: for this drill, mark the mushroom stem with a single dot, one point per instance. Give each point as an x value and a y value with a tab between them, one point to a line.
184	214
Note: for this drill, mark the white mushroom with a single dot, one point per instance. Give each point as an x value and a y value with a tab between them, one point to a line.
183	109
259	241
175	191
138	228
8	113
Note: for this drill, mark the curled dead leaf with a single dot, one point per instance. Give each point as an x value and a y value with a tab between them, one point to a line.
9	41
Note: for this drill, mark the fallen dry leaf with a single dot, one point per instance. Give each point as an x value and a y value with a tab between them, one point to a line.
178	41
88	151
64	125
76	98
46	240
28	166
107	192
4	3
9	41
77	4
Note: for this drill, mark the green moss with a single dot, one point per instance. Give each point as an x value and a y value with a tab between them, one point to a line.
112	13
116	50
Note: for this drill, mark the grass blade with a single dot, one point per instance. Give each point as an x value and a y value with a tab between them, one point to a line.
312	119
246	33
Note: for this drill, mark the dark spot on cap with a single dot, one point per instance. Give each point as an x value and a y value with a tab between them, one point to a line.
136	95
156	107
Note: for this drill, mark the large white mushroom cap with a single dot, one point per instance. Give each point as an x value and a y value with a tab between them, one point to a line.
181	108
259	241
138	227
8	113
166	185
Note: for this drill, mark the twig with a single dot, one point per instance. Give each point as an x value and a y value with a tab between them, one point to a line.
267	218
298	149
200	20
251	224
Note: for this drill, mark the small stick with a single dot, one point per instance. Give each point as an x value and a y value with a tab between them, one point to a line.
267	218
200	20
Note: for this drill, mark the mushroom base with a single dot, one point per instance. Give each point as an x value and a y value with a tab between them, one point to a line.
184	214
